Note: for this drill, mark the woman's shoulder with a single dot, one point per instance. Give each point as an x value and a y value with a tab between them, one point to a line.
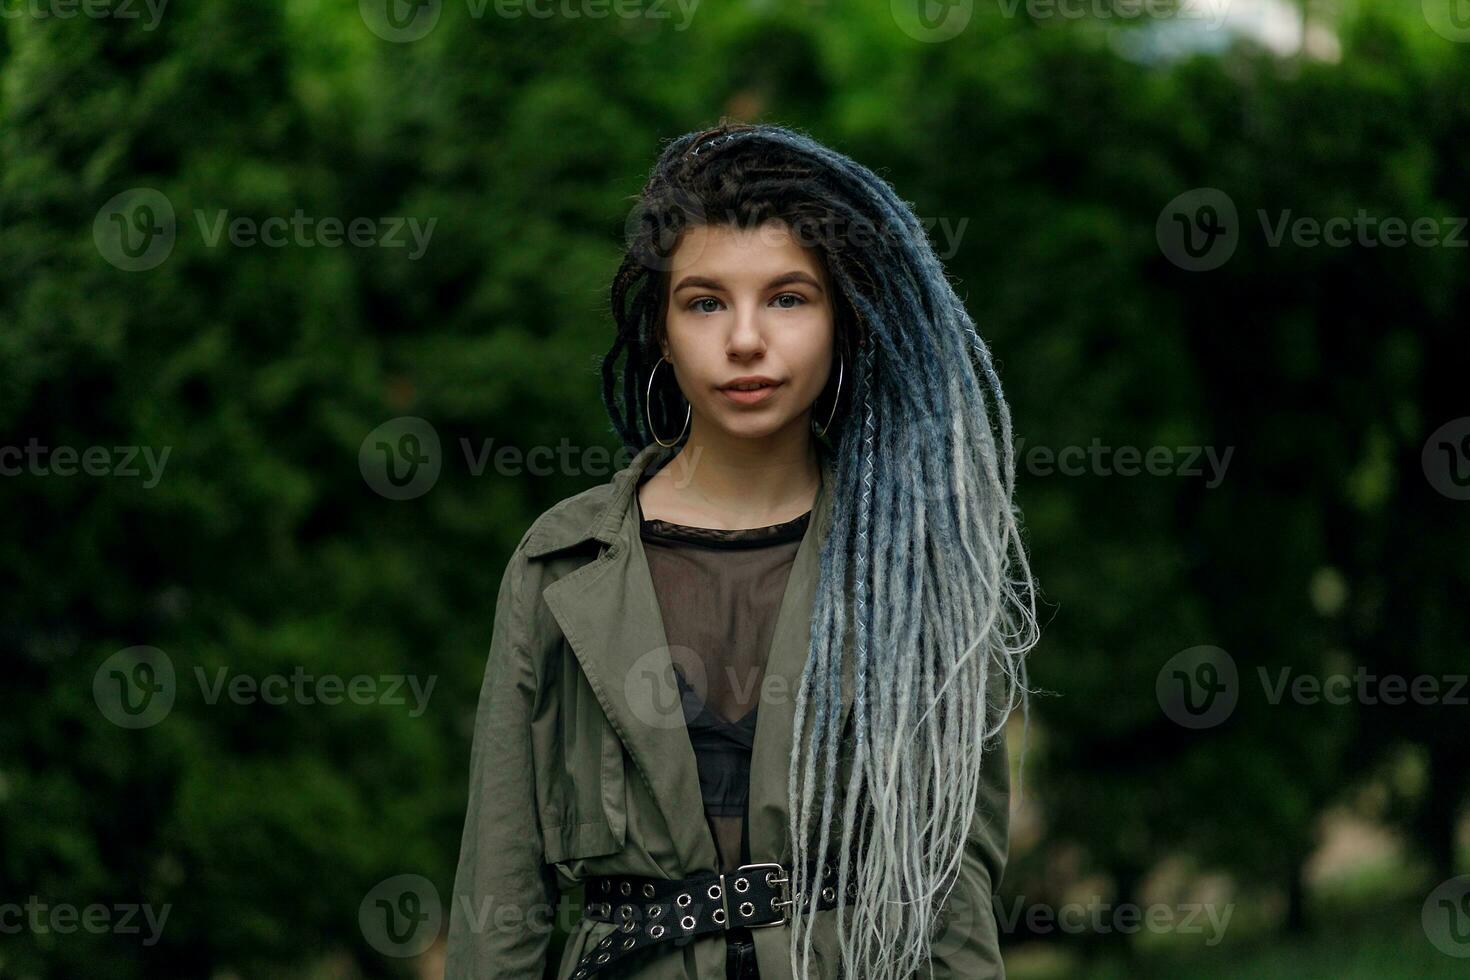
579	517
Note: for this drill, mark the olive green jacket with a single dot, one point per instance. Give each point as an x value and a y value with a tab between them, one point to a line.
581	763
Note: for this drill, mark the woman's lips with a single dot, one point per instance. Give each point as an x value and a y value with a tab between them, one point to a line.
751	397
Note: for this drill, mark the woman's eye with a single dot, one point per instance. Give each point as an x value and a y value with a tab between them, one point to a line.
696	307
796	296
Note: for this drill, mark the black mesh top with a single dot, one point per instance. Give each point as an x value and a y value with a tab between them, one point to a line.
719	592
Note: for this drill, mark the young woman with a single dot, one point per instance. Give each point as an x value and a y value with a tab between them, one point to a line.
749	695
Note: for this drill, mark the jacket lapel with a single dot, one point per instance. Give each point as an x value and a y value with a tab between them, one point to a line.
609	612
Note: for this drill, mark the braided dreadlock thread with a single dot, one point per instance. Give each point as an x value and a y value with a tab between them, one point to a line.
924	585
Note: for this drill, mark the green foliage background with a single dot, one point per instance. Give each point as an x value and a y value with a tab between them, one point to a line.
263	550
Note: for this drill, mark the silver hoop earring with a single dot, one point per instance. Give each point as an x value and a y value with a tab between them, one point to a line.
835	398
648	400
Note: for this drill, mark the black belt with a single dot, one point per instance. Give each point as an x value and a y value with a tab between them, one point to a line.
650	911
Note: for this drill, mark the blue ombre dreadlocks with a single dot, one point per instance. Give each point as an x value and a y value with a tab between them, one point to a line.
924	580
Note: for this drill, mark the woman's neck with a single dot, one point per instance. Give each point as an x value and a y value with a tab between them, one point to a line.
734	483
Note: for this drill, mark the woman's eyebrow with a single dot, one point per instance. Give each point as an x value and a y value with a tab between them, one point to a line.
704	282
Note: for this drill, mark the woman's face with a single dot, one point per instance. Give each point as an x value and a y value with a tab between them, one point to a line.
748	302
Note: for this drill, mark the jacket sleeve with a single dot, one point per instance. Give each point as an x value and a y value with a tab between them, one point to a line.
501	909
967	947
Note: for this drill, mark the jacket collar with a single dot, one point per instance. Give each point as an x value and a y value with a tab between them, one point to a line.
609	613
596	514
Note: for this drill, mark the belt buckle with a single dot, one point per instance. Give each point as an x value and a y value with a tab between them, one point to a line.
784	881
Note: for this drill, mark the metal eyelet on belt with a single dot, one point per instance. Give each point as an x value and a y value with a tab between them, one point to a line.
713	891
656	931
742	885
647	891
719	916
686	923
628	943
626	911
626	888
607	910
683	900
829	893
747	910
654	911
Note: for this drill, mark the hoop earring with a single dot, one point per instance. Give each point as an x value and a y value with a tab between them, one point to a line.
835	398
647	401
